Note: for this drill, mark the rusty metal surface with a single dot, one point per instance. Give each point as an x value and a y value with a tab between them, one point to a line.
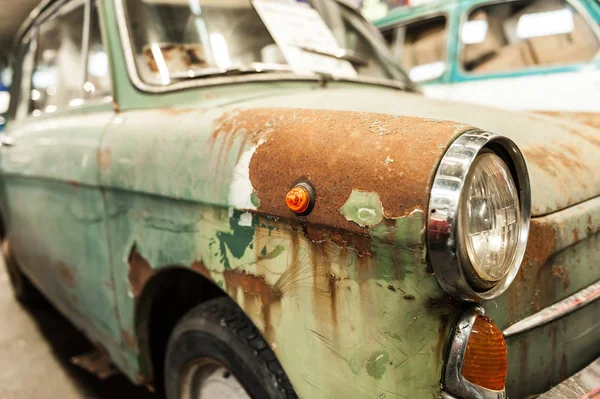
347	304
561	156
561	260
559	309
585	118
359	296
96	362
583	385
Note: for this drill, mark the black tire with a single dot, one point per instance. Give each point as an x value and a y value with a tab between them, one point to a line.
219	330
23	288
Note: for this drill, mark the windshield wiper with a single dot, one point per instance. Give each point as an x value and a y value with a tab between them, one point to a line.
340	54
230	71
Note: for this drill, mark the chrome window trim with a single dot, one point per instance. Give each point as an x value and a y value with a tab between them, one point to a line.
53	10
464	17
127	49
556	311
453	379
444	204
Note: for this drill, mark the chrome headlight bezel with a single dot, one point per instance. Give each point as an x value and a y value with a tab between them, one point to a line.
444	253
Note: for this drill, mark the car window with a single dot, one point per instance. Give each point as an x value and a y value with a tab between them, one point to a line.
190	39
97	84
57	79
524	34
420	47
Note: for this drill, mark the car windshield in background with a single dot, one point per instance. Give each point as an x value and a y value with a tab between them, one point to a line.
185	39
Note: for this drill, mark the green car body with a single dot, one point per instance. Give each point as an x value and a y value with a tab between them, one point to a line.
128	213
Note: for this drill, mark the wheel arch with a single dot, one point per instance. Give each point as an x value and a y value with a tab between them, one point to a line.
169	294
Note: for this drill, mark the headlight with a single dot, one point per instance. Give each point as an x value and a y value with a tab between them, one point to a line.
479	214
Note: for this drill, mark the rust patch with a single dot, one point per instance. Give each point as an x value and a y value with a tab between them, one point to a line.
257	287
72	182
358	242
591	119
97	362
66	274
334	158
566	280
103	158
540	244
200	267
547	157
342	238
562	272
130	341
140	271
316	234
333	280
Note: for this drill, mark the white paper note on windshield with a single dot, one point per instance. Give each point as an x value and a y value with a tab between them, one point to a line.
296	25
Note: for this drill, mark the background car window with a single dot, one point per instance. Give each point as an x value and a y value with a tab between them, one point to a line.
420	47
58	74
97	84
523	34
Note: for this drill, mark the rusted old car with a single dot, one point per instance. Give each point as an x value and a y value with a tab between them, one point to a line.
228	211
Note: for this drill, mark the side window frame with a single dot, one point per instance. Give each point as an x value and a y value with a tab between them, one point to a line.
59	9
90	5
448	60
461	75
28	48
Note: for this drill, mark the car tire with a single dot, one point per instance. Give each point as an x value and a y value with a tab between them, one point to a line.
216	351
23	288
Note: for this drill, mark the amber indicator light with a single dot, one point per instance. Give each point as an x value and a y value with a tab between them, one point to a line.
298	199
485	362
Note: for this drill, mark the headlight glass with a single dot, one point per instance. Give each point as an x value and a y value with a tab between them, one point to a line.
489	219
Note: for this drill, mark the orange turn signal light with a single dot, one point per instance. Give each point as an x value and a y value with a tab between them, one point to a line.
298	199
485	362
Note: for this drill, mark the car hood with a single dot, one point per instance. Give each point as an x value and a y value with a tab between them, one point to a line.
563	157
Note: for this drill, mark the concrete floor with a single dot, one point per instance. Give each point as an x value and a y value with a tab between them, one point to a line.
36	346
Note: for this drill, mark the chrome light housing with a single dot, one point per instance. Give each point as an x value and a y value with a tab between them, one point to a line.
479	212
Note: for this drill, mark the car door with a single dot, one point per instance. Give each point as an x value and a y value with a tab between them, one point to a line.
52	202
539	55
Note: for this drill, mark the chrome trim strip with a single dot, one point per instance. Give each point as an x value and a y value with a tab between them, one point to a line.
444	248
215	81
453	379
559	309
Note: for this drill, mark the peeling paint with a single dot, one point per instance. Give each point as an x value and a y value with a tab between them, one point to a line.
245	219
241	192
140	271
363	208
541	242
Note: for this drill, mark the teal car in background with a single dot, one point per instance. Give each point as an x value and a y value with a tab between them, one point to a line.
536	55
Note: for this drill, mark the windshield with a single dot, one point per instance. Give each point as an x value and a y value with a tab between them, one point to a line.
185	39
